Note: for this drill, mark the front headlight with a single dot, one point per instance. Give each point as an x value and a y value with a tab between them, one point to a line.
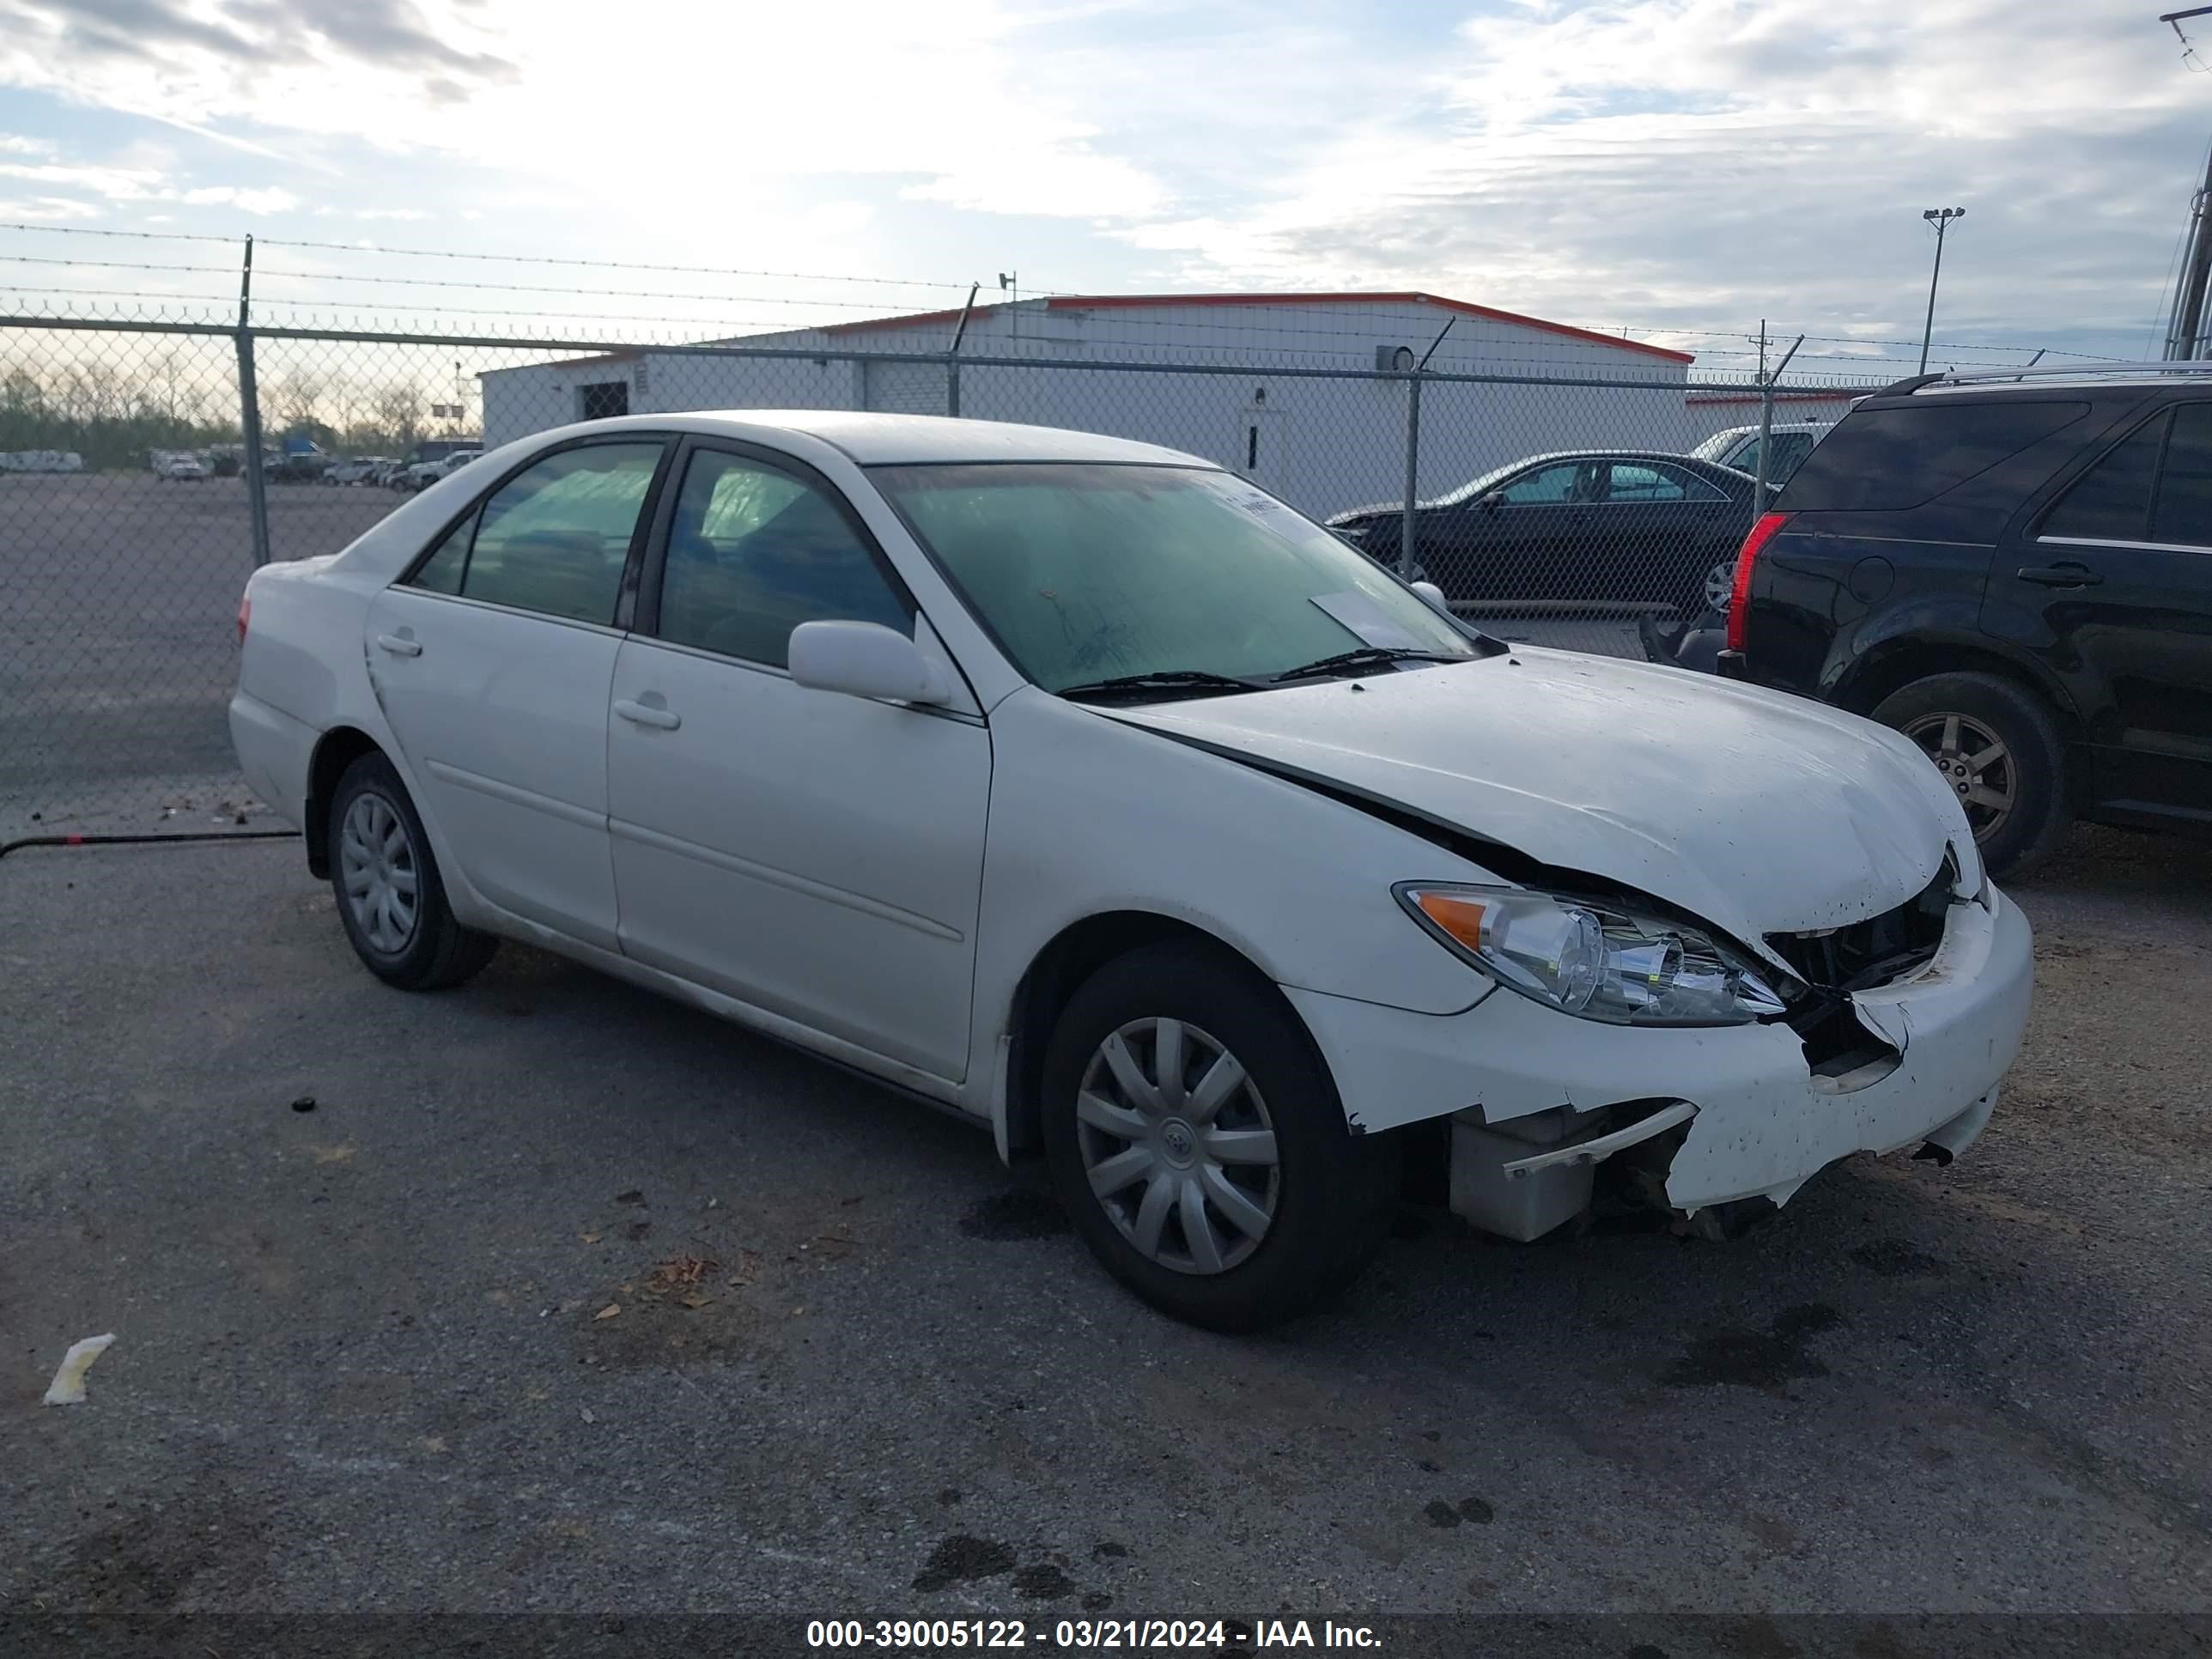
1593	961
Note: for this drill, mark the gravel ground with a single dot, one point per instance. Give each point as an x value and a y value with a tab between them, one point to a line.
563	1298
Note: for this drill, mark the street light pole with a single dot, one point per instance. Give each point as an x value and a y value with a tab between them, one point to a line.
1941	218
2184	331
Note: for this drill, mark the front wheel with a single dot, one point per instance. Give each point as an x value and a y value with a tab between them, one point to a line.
1199	1146
390	895
1998	747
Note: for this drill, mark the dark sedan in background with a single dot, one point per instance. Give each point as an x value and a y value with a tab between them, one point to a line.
1578	530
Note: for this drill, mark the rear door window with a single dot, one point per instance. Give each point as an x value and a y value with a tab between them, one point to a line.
2183	514
555	539
2110	502
1888	459
1636	481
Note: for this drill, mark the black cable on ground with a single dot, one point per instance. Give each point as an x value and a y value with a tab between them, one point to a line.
7	846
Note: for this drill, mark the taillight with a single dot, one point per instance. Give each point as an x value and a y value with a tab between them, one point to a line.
1739	596
245	614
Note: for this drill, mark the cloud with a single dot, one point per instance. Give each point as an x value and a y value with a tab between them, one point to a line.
254	35
931	101
1689	166
270	200
56	208
114	184
1705	163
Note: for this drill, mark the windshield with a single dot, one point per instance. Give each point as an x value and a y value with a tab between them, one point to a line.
1716	448
1088	571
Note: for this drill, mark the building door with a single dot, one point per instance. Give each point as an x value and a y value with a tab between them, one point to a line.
601	399
1256	440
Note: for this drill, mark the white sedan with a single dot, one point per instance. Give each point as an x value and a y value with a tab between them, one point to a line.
1083	788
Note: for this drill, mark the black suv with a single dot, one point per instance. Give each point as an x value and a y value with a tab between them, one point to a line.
2016	573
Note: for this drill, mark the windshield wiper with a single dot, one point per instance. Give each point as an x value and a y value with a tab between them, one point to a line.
1165	679
1367	656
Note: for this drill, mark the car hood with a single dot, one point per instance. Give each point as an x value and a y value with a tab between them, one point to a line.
1758	812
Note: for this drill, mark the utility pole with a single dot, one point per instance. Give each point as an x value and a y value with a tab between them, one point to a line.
2185	332
1941	218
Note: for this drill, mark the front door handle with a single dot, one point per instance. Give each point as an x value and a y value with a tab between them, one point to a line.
397	647
667	720
2059	575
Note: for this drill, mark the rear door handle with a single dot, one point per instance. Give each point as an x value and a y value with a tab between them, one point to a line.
667	720
397	647
2059	575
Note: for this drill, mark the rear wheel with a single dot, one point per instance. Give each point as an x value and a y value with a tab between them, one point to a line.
390	895
1998	747
1715	588
1199	1146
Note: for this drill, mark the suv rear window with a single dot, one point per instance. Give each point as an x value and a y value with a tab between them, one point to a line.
1884	460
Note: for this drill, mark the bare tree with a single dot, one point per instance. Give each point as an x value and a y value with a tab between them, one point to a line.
22	393
299	398
399	407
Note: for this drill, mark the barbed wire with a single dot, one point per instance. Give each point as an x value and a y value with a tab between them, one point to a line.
141	235
606	265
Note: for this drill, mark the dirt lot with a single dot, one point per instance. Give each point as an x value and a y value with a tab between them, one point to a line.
563	1299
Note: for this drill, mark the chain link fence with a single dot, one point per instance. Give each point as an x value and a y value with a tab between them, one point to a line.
146	467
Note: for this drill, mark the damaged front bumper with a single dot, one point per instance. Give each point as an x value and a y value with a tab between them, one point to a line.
1538	1098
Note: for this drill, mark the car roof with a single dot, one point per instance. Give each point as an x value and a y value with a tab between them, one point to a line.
873	439
2073	379
1671	457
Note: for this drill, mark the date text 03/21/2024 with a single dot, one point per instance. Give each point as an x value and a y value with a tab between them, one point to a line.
1086	1634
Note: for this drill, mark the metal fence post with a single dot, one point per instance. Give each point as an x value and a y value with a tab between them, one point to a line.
1413	452
1767	419
952	356
1412	466
249	416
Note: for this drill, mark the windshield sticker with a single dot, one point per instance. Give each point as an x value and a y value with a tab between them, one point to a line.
1257	505
1368	622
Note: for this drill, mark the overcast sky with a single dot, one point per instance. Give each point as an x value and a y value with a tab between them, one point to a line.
1661	165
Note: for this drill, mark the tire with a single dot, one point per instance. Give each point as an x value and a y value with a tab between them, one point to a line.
1321	1208
1955	718
376	838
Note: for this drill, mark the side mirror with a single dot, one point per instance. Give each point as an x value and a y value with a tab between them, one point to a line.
1434	595
1493	501
863	660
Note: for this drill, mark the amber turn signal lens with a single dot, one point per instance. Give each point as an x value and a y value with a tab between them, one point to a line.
1459	914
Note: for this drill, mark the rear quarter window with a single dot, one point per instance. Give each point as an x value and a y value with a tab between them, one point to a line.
1888	460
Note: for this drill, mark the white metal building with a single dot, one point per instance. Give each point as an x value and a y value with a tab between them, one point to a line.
1225	387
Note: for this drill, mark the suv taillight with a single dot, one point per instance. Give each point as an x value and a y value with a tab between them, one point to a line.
1739	596
245	614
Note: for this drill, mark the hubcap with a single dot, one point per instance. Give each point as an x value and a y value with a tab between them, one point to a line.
1974	763
1720	587
377	866
1178	1146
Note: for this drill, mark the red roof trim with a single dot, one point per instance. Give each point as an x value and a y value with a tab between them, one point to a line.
1466	308
626	355
1839	395
914	321
1125	302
